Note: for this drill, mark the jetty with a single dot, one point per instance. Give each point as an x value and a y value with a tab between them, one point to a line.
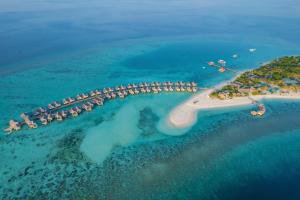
261	108
260	112
72	107
221	66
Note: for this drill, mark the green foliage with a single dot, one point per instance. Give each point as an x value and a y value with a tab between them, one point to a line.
272	73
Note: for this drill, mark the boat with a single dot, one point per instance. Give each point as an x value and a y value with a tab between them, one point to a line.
211	63
222	62
234	55
252	50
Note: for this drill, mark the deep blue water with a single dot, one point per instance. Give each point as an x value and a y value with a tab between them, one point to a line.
50	50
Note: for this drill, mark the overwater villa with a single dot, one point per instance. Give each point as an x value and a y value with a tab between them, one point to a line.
13	126
43	120
49	117
73	112
136	91
131	92
44	116
58	117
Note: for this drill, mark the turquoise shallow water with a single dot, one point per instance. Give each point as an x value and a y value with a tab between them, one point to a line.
123	150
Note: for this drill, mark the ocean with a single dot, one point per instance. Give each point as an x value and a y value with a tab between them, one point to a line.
125	149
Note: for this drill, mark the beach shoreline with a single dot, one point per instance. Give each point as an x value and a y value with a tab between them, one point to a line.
185	114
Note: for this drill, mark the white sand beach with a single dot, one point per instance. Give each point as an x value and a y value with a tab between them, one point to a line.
185	114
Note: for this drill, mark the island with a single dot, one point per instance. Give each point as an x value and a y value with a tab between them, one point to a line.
279	78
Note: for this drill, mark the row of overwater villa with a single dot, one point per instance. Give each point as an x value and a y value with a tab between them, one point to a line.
86	102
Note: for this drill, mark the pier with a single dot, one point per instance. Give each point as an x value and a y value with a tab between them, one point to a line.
221	66
72	107
261	108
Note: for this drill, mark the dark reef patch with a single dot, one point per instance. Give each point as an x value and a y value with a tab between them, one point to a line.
98	120
69	148
147	122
